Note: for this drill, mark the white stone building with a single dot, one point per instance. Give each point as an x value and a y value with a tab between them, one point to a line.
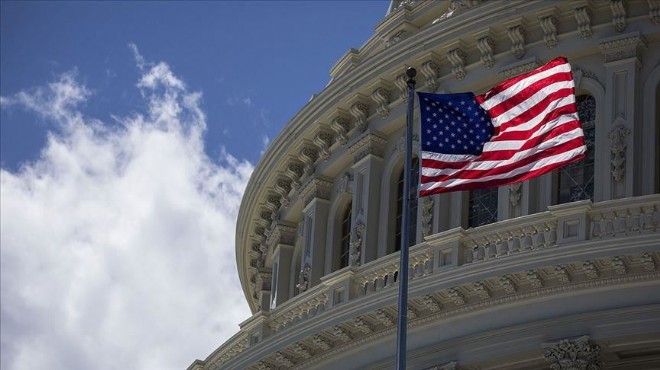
558	272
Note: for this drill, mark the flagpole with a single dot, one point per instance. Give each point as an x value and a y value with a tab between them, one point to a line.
402	321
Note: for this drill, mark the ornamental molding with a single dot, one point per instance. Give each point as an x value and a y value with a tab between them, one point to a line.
582	15
457	56
283	188
618	146
427	204
381	94
283	232
562	275
618	8
517	34
486	46
453	365
521	67
359	109
323	141
294	171
357	237
507	284
401	82
368	144
301	351
273	204
430	70
315	188
341	126
515	193
549	22
654	11
345	183
623	47
308	155
573	354
303	278
619	266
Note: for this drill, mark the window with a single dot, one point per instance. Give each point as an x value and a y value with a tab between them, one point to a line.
483	207
576	180
398	220
345	241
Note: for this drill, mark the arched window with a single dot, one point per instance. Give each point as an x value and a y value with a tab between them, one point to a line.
482	207
576	180
398	220
345	241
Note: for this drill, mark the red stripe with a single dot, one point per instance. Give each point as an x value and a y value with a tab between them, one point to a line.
538	108
499	182
524	135
527	92
475	174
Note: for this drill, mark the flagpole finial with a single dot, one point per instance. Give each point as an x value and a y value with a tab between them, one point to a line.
411	72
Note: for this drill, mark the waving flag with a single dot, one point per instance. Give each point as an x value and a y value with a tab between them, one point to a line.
522	128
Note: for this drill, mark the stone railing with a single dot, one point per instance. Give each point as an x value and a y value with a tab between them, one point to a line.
562	225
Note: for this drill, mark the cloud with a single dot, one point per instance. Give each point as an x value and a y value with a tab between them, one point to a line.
233	101
118	242
265	141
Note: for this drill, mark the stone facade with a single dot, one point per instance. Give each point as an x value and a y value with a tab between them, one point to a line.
565	277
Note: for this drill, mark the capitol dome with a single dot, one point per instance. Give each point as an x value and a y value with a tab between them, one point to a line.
561	271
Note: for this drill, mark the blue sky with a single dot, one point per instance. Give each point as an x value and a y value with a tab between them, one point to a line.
128	132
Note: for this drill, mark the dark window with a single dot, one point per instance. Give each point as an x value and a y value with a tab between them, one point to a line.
576	180
483	207
413	206
345	242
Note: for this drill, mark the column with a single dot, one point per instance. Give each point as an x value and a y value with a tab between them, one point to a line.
316	195
281	240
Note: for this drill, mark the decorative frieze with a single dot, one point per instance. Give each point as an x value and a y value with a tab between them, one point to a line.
456	296
562	274
282	233
534	279
362	326
341	334
430	70
398	36
507	284
453	365
360	111
282	359
401	82
323	141
308	156
316	188
590	270
384	318
573	354
321	342
340	125
648	262
486	46
301	351
412	312
619	266
481	290
282	188
627	46
368	144
520	68
618	147
618	8
431	304
264	366
583	19
457	59
273	204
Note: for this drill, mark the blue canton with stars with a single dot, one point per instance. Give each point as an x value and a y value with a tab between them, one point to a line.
453	124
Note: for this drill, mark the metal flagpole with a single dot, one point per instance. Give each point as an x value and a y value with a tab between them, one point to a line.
402	321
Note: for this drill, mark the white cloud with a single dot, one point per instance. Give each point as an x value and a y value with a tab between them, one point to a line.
265	141
118	242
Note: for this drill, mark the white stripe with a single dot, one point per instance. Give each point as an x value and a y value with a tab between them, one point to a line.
532	101
544	162
522	84
489	165
448	157
493	146
533	121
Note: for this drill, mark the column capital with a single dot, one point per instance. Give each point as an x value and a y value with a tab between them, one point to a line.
283	232
368	144
315	187
626	46
573	354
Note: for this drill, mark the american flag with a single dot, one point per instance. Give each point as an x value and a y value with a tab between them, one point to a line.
522	128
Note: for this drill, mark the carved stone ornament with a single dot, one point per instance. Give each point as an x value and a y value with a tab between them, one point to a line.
618	8
301	351
360	112
575	354
590	270
508	285
627	46
282	188
315	188
549	27
486	46
323	141
453	365
282	359
401	82
345	183
321	342
562	274
357	236
430	69
520	68
381	96
341	334
648	262
431	304
515	193
456	296
294	171
456	7
366	145
398	36
481	290
282	233
303	278
517	36
619	266
534	279
457	59
583	19
308	156
384	318
654	11
427	215
340	126
362	326
618	148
